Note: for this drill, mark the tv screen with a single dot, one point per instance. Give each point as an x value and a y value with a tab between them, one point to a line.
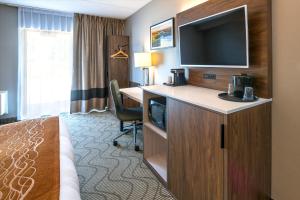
220	40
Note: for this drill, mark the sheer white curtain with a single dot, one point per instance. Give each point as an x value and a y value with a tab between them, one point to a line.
45	62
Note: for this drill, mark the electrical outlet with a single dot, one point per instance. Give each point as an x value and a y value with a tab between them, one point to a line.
210	76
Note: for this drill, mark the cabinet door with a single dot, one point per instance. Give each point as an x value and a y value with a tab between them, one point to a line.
195	156
249	147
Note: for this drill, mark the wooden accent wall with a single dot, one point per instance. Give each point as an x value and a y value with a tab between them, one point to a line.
260	44
118	69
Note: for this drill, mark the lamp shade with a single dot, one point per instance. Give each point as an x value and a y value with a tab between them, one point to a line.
142	60
3	102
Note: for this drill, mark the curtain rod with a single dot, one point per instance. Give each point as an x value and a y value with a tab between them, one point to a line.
43	9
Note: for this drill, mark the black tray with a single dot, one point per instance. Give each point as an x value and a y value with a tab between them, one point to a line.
169	84
227	97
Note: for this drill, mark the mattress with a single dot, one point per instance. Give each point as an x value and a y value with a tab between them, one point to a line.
69	184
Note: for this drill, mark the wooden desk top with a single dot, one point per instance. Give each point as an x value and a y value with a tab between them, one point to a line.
135	93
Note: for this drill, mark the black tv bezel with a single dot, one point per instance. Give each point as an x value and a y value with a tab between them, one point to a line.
219	66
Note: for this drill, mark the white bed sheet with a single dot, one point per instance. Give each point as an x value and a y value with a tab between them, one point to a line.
69	183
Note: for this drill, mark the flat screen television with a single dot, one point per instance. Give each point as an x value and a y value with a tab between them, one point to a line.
220	40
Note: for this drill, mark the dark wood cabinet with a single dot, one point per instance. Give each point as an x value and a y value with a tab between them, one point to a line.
248	154
195	156
207	155
217	156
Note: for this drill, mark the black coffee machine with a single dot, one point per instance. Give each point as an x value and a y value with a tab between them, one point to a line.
178	77
239	82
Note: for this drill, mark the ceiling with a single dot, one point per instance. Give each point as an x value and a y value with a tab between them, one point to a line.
120	9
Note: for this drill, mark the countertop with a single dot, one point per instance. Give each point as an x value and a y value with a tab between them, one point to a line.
135	93
203	97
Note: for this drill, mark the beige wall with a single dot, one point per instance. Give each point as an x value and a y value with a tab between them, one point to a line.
286	75
286	105
138	26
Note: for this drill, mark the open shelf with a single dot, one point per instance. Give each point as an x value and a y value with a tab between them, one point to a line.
155	143
159	164
156	130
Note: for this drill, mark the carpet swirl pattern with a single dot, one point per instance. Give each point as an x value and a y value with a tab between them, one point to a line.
108	172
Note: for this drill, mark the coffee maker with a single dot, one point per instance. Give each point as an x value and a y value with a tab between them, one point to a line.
178	78
239	82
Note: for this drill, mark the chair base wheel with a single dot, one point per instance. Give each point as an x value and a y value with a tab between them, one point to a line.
115	143
136	148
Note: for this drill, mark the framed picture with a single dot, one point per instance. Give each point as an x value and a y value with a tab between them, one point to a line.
162	35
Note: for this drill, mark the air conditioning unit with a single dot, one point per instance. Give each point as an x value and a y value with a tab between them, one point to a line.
3	102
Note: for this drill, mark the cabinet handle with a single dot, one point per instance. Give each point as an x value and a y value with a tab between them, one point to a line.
222	136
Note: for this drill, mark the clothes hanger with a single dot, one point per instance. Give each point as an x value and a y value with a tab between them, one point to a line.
120	54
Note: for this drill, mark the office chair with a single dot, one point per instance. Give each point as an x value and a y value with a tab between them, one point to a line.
134	115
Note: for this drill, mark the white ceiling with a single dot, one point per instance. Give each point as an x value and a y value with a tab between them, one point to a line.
120	9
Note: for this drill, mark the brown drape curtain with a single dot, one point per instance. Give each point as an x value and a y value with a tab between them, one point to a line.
89	89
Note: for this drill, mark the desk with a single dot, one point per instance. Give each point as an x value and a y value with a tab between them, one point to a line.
134	93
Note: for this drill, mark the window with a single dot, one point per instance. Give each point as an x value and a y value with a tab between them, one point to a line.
45	72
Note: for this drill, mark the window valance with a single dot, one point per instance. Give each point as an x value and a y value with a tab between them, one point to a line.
45	20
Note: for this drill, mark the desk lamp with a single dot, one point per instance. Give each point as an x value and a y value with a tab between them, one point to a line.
144	61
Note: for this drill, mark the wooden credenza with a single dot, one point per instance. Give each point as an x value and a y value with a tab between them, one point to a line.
206	154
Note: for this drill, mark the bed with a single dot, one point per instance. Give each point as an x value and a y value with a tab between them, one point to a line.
37	161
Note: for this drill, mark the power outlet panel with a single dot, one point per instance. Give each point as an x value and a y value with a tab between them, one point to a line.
210	76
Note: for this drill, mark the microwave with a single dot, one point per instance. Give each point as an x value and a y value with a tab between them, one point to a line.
157	112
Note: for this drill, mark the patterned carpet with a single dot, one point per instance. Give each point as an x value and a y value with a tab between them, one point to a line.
105	171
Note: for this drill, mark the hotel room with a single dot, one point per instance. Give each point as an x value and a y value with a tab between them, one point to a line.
149	99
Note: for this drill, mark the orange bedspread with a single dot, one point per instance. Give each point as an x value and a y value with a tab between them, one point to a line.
29	160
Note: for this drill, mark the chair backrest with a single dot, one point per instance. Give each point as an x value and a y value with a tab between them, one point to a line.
116	95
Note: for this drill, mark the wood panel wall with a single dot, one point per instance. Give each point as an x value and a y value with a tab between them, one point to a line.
260	45
118	68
